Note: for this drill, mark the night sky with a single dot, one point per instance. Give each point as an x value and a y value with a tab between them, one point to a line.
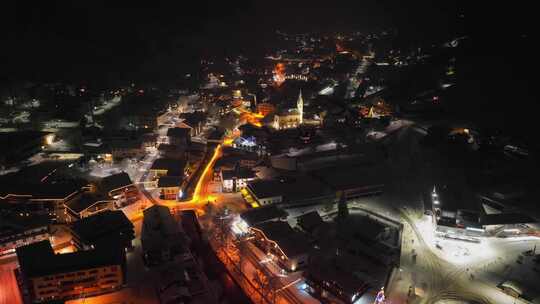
71	38
84	40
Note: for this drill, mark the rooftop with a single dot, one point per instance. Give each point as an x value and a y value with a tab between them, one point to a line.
170	181
115	181
174	167
262	215
506	218
178	132
347	177
309	221
328	270
241	173
454	198
292	188
85	200
171	148
38	259
158	228
360	228
231	160
193	118
42	181
102	226
291	242
10	225
217	134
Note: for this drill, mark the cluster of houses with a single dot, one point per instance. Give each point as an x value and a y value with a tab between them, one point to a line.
341	258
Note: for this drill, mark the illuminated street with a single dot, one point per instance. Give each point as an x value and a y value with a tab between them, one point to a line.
9	291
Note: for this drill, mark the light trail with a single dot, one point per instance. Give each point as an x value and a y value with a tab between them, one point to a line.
197	198
210	164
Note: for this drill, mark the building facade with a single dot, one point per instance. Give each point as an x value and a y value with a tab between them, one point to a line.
69	276
103	229
170	187
290	118
236	179
13	235
282	243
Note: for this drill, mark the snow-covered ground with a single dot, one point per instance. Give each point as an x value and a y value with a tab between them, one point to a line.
109	104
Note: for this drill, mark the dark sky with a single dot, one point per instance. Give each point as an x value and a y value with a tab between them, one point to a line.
120	39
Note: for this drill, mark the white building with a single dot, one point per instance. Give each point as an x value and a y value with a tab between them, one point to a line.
235	179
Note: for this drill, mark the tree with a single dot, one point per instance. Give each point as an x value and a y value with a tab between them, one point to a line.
343	209
267	284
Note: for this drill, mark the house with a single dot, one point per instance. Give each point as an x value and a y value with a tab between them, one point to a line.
236	179
262	215
355	257
49	276
233	155
310	221
290	190
86	204
149	140
216	136
241	224
170	187
195	120
97	150
179	136
168	167
353	181
38	190
170	176
130	148
289	247
120	188
172	151
230	161
162	239
21	145
17	231
103	229
330	280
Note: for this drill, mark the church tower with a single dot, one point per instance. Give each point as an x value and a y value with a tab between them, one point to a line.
300	107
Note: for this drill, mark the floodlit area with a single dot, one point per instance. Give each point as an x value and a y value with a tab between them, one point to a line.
457	252
464	253
476	268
